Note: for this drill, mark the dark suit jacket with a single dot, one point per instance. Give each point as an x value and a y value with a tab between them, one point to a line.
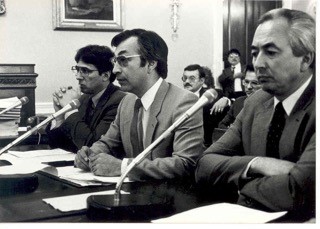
175	156
210	121
225	161
226	81
234	110
76	132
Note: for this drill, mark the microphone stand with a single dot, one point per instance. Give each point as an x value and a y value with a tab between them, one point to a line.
138	207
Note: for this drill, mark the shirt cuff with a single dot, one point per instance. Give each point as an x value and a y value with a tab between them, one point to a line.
124	165
229	101
244	175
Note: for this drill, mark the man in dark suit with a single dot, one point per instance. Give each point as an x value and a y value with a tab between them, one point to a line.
98	104
193	80
231	82
267	157
140	64
251	84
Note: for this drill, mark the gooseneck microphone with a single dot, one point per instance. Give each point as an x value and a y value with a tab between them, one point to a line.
206	98
24	100
130	206
72	105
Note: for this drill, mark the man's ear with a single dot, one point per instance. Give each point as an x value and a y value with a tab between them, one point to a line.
106	76
306	61
152	65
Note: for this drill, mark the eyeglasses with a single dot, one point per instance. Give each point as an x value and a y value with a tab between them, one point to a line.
83	70
254	84
233	55
122	60
191	79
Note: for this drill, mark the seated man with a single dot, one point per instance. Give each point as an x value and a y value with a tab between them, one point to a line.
151	108
99	102
267	157
251	85
193	80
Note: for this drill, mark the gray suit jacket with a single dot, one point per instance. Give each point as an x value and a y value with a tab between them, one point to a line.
224	162
176	155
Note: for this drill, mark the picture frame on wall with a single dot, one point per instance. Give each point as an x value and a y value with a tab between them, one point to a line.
103	15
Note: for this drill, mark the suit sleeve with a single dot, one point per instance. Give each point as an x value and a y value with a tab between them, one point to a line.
187	145
295	190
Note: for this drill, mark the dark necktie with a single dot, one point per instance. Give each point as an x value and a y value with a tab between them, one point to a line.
90	111
136	130
275	131
232	69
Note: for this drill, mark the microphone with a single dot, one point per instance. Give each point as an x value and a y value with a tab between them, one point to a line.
72	105
110	206
24	100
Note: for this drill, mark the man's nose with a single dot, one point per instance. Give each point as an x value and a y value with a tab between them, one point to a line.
116	68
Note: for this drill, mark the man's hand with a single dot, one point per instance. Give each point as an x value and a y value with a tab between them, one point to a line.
219	105
104	164
267	166
82	158
64	96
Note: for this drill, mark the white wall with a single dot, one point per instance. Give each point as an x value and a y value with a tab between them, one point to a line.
27	36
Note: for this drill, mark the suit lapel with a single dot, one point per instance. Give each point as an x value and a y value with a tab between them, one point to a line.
154	111
261	122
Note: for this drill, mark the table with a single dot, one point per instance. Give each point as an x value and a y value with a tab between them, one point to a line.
30	207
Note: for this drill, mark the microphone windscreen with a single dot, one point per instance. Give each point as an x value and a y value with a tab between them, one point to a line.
75	104
24	100
210	94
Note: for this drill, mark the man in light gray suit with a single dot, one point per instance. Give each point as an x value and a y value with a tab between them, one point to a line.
265	168
140	64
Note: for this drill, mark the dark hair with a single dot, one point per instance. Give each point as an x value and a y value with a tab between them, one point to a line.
249	68
302	37
236	51
193	67
209	81
151	46
99	56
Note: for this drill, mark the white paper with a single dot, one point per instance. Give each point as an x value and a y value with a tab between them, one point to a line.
39	153
21	168
74	202
222	213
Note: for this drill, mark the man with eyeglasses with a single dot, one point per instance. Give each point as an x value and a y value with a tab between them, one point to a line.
231	82
99	101
140	64
193	80
267	158
251	84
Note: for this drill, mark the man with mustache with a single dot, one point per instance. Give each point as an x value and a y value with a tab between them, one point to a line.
153	105
267	157
193	80
98	104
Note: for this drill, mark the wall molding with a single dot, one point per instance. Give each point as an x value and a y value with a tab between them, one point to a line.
44	108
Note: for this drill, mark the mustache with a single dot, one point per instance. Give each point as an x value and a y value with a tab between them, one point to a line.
187	85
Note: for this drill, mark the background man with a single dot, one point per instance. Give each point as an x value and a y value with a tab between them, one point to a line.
251	84
230	81
268	155
99	102
193	80
140	65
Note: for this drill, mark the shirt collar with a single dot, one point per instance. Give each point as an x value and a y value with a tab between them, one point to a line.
95	98
197	93
289	102
148	97
237	68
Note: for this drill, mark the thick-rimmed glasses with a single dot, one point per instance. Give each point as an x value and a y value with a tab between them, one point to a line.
122	60
254	84
82	70
191	79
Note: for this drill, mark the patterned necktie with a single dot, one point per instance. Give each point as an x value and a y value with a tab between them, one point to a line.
136	129
90	111
275	131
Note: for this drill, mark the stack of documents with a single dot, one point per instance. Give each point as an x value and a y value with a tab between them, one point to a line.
56	163
9	121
